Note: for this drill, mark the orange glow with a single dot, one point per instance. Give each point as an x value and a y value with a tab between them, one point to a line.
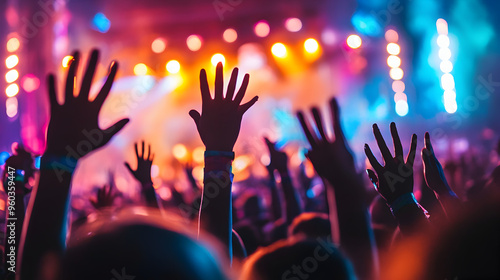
140	69
158	45
194	42
11	61
180	151
230	35
66	60
13	44
279	50
262	29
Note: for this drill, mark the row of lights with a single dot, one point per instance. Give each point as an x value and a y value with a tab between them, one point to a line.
12	75
396	73
446	66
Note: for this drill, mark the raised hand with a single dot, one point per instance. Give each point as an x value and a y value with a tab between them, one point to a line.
279	159
396	177
73	127
220	119
104	198
144	162
331	158
433	171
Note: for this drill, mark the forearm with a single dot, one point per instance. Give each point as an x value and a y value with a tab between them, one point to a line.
449	200
292	202
275	198
149	195
409	214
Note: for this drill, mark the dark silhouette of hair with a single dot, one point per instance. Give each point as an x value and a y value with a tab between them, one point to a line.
311	225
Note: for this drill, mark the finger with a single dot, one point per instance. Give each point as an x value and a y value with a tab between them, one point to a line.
413	148
149	152
136	150
337	128
70	78
232	85
312	139
243	88
398	148
142	150
270	145
103	94
205	90
319	123
89	75
219	82
371	158
428	144
51	80
244	107
129	168
112	130
386	154
373	178
195	116
152	158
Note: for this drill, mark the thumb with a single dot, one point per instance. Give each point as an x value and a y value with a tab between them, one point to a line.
112	130
373	178
129	168
195	115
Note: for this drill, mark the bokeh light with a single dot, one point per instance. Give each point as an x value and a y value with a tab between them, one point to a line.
442	26
393	48
450	106
11	105
11	76
354	41
262	28
391	36
173	66
194	42
230	35
216	58
293	24
13	44
11	61
180	151
328	37
443	41
400	96
30	83
402	108
140	69
66	61
396	73
447	82
159	45
444	54
311	45
446	66
199	154
393	61
398	86
12	90
279	50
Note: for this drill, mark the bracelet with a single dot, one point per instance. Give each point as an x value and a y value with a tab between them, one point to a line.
49	162
219	154
403	200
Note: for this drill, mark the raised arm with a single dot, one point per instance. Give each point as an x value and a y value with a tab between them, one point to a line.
334	162
143	174
394	181
218	127
73	132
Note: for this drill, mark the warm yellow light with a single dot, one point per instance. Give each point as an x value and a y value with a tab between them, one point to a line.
261	29
311	45
391	36
279	50
393	61
12	90
194	42
396	74
173	67
158	45
199	154
354	41
179	151
11	61
216	58
230	35
393	48
293	24
140	69
11	76
66	61
13	44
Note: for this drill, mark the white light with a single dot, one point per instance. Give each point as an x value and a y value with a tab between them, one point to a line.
443	41
446	66
393	48
173	67
444	54
393	61
450	107
449	95
447	82
396	74
402	108
216	58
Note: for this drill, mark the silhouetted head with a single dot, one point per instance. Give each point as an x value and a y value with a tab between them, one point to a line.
311	225
299	259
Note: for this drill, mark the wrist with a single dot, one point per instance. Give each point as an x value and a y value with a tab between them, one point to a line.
50	161
401	202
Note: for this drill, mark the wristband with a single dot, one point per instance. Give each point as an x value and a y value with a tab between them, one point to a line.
219	154
49	162
403	200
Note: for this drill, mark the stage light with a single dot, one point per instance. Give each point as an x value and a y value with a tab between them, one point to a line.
443	41
444	54
293	24
400	96
279	50
173	66
402	108
398	86
179	151
311	45
194	42
391	36
262	28
66	61
158	45
393	48
328	37
11	76
396	74
199	154
12	90
30	83
11	61
11	107
450	107
449	95
446	66
354	41
216	58
230	35
140	69
393	61
13	44
447	81
442	26
101	23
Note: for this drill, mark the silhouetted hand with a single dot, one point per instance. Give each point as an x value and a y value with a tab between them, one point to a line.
220	119
396	177
143	171
74	124
331	159
104	198
433	171
279	159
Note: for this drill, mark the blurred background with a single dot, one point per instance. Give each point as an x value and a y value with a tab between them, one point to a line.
428	65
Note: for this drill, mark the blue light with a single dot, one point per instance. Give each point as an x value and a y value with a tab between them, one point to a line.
37	162
366	24
3	157
101	23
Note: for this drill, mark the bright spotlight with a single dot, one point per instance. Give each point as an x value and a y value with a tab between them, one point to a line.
402	108
279	50
216	58
140	69
354	41
396	74
393	48
311	45
393	61
173	67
